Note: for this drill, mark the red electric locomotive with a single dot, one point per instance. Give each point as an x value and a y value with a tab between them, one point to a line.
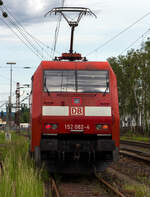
75	115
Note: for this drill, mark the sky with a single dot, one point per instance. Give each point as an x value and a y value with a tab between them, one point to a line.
91	35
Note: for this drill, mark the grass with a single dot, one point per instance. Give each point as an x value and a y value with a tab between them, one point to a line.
21	178
143	179
137	190
135	137
2	138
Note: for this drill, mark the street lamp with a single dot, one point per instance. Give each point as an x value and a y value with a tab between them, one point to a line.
10	96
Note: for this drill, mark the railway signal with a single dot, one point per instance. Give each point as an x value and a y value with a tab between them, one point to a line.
17	115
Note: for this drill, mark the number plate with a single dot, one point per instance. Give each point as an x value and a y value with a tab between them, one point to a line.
77	127
76	111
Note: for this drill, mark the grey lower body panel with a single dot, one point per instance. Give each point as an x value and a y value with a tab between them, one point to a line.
71	145
78	154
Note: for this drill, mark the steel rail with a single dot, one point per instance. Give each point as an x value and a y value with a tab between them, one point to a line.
139	152
134	143
138	156
116	191
54	188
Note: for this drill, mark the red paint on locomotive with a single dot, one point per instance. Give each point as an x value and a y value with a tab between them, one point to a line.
58	112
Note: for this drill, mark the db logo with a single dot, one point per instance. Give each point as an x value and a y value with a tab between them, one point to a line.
77	111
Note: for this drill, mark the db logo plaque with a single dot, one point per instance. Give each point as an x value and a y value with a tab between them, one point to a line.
76	111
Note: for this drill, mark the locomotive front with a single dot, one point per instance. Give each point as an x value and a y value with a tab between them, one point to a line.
75	117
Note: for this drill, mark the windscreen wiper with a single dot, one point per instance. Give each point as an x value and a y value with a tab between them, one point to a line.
107	85
45	86
76	80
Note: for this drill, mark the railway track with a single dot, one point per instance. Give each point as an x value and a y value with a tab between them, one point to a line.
136	150
109	186
56	190
136	155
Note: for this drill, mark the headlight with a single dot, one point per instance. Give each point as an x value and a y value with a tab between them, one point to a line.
102	127
48	126
105	127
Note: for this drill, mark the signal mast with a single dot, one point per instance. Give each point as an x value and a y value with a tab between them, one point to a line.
80	11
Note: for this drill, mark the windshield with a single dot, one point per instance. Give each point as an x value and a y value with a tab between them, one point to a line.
76	81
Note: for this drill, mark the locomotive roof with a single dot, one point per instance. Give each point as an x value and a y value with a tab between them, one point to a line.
86	65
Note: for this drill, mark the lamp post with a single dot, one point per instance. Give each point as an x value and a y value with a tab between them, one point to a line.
10	95
17	118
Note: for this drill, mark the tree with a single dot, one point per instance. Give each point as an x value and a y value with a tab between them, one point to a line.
133	76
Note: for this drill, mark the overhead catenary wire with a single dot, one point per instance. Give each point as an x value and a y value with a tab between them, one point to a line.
6	78
6	102
13	94
56	36
141	36
43	47
117	35
57	31
35	45
3	104
19	37
22	27
24	38
1	76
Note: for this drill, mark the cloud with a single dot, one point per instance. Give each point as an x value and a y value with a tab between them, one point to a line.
33	11
30	11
